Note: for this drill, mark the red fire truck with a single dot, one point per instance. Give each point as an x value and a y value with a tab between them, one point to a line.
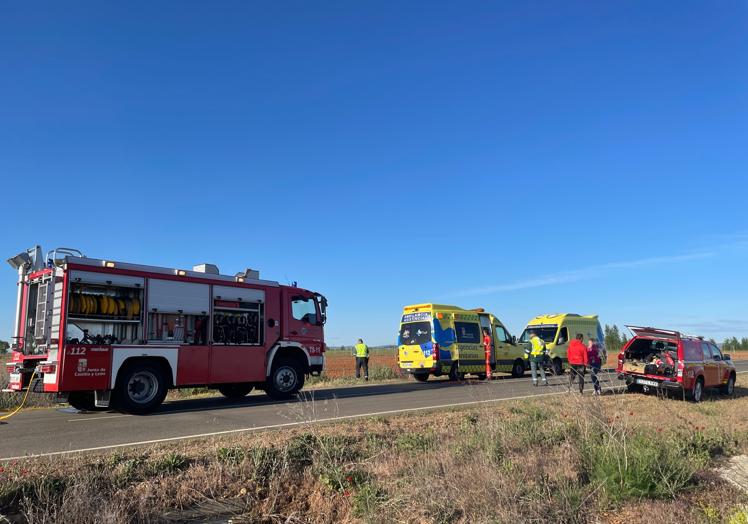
101	332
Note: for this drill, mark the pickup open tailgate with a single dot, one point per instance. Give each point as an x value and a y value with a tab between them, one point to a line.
665	334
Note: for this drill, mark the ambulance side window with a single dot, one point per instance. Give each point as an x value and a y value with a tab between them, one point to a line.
467	333
563	336
501	334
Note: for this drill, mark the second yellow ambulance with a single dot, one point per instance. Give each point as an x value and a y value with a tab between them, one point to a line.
557	330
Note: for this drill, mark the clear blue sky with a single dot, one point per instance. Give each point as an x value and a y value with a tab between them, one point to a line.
526	157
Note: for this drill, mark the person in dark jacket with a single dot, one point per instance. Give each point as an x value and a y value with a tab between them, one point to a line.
577	356
595	359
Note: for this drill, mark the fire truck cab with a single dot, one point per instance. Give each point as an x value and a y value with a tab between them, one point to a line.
103	333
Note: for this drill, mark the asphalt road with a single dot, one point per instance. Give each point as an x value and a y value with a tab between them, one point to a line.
48	432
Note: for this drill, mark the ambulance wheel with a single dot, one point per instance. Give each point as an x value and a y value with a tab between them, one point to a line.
285	380
482	376
557	366
141	388
454	373
518	369
83	401
421	377
235	391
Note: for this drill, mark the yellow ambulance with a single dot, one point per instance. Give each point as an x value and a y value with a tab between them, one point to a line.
437	340
557	330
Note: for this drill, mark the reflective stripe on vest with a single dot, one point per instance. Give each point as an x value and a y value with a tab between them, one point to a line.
362	350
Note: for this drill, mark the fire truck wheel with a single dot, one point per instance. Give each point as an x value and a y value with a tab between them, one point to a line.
83	401
235	391
285	380
141	388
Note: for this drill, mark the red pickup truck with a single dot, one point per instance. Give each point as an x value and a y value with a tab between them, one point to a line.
660	359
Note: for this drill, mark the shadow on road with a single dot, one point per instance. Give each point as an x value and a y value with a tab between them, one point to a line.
323	394
521	387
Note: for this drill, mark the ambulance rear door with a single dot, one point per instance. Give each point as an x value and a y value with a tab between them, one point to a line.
485	323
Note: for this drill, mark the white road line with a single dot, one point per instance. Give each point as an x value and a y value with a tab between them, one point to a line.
289	424
105	417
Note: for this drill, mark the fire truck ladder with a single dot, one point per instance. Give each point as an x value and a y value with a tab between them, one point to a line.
44	309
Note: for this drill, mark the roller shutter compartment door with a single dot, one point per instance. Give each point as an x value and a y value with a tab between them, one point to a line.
171	296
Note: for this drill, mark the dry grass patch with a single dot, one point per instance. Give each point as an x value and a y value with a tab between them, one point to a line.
623	458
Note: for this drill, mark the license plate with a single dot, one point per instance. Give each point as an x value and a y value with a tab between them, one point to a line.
15	378
645	382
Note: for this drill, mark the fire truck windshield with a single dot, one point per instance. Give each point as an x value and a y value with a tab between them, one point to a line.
322	305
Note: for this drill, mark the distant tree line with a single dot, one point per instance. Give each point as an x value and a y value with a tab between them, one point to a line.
733	344
4	346
615	339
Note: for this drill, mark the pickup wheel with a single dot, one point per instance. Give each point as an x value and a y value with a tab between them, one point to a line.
729	388
518	368
235	391
421	377
141	388
285	380
697	393
632	387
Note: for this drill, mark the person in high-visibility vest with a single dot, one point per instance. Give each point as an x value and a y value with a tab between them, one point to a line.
362	359
536	353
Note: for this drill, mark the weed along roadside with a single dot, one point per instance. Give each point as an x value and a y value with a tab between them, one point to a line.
580	459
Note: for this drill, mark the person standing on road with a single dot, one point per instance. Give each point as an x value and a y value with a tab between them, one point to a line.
577	356
362	359
487	344
536	354
595	359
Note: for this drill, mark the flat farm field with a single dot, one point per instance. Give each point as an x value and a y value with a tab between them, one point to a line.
342	364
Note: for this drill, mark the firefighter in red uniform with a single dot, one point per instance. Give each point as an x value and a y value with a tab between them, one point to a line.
487	343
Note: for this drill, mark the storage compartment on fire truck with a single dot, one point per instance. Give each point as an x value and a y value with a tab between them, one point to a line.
238	315
651	357
104	309
178	312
